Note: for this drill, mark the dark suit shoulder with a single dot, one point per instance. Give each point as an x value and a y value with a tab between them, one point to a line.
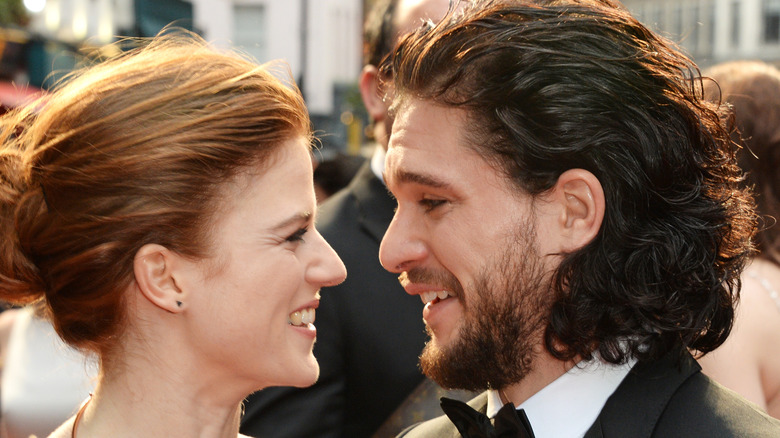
362	210
671	398
704	408
338	211
442	427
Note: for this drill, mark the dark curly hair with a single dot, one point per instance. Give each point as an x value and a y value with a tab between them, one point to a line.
556	85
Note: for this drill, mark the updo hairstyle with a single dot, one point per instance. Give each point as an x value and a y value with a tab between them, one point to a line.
130	151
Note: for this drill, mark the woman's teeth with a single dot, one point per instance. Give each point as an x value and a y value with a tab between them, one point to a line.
427	297
301	317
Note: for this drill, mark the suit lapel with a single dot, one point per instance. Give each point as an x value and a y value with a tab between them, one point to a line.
636	406
478	403
442	427
374	202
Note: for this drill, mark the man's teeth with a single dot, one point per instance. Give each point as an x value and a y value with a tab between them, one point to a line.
301	317
427	297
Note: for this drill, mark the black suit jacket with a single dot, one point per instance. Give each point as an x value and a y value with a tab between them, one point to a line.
369	332
656	400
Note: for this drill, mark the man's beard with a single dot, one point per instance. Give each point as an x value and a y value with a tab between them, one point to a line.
503	322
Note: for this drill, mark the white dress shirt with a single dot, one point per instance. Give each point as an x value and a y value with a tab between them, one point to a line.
378	162
567	407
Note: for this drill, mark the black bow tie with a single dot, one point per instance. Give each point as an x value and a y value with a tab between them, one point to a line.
510	423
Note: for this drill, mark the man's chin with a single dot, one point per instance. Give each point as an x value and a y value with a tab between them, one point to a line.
473	360
441	365
433	362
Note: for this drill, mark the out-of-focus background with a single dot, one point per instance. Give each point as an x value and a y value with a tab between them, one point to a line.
40	40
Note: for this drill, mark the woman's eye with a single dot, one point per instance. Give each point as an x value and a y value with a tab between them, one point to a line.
297	236
431	204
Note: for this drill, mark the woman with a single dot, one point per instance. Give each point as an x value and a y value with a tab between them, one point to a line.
749	361
161	207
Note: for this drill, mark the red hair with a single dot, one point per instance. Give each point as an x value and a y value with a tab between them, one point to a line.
128	152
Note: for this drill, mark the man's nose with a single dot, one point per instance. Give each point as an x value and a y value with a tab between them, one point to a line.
402	246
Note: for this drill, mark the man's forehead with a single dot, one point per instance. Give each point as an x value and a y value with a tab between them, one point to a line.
414	117
427	141
430	146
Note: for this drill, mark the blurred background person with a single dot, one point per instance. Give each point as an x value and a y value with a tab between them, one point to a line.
371	333
335	173
160	207
749	361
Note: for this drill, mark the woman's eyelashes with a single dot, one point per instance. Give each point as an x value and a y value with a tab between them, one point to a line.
297	236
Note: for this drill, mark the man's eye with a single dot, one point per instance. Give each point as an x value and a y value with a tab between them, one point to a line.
297	236
431	204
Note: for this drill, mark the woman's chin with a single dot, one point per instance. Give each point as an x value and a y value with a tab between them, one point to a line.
312	375
305	375
299	373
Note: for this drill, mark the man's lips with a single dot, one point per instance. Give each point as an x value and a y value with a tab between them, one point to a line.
421	288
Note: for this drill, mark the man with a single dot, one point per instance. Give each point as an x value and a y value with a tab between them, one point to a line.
369	333
569	213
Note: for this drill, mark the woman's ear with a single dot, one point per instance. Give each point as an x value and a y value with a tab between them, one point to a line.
581	197
154	274
372	92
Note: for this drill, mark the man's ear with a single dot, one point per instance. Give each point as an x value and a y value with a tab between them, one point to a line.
580	194
154	275
373	93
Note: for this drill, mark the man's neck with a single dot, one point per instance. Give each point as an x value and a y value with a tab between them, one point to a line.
545	370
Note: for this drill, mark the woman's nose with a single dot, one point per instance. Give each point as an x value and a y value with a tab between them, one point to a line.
328	269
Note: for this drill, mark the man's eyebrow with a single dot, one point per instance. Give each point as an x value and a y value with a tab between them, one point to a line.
303	216
407	177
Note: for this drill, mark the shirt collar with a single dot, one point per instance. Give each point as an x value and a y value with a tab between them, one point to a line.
378	162
568	406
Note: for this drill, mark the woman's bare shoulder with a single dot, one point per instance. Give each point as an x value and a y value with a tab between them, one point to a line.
64	431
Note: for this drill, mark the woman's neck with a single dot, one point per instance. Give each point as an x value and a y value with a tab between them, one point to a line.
144	397
118	412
